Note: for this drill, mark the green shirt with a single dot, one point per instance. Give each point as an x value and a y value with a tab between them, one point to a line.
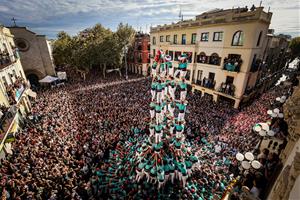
182	65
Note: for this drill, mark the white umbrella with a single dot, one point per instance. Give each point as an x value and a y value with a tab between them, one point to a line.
239	156
274	115
257	127
246	164
249	156
262	133
276	110
283	98
269	112
280	115
271	133
265	126
278	99
255	164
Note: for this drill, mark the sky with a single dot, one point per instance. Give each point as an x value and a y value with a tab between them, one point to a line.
48	17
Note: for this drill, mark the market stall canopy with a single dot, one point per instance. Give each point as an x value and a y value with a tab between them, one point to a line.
48	79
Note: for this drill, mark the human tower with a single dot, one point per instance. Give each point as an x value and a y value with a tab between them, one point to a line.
165	156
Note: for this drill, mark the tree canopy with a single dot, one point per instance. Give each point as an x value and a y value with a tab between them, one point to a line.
295	46
95	47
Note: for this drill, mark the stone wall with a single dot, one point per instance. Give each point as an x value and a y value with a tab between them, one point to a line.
285	183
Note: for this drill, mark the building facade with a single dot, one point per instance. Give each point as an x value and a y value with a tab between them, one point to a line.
139	54
35	54
225	49
14	90
287	184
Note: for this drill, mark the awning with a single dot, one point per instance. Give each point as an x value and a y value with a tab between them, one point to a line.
31	93
48	79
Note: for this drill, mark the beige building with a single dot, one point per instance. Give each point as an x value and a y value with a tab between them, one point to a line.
14	90
225	48
35	53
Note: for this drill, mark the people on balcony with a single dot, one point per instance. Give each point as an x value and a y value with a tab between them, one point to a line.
14	91
214	59
227	88
208	83
232	64
4	58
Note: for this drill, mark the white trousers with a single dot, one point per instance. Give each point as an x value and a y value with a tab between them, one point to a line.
183	95
182	74
163	73
153	92
181	116
177	72
152	114
158	97
179	134
183	179
171	130
153	72
172	176
159	118
158	136
171	71
172	92
151	131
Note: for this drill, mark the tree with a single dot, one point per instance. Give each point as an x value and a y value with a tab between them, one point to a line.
125	35
62	49
295	46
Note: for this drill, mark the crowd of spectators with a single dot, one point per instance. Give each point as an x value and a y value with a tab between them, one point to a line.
79	144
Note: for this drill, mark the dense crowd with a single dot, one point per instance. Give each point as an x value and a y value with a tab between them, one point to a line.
70	147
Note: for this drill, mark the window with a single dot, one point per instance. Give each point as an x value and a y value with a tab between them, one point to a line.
188	75
193	41
199	77
153	53
171	54
168	38
177	54
259	38
204	37
154	41
201	58
175	39
4	81
229	80
211	76
161	38
22	44
214	59
218	36
238	38
183	39
189	54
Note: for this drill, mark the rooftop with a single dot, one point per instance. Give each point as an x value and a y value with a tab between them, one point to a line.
220	16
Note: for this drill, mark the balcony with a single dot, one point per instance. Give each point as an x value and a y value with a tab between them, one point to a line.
213	59
9	115
232	64
227	88
6	60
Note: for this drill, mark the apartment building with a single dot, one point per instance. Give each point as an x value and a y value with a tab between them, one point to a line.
139	54
225	49
14	91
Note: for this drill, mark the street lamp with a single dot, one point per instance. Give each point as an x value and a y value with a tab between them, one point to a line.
125	49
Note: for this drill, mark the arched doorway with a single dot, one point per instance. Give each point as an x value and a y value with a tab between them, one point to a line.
33	79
